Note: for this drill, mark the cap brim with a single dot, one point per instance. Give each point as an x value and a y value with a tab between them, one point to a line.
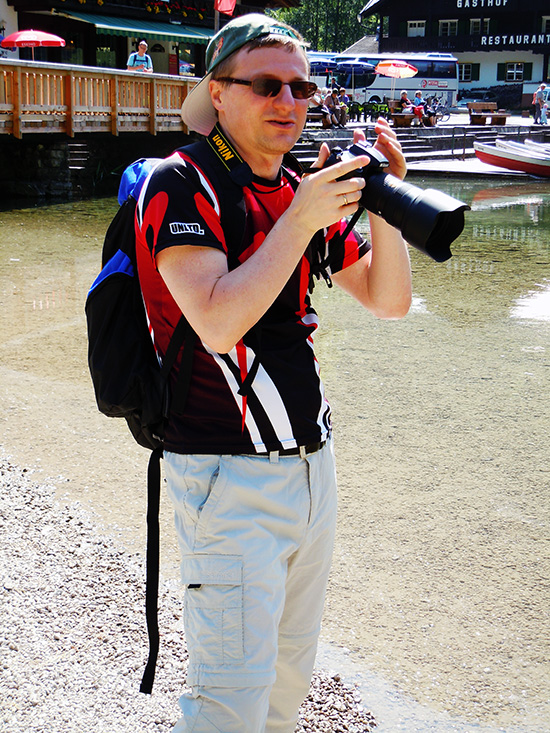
197	110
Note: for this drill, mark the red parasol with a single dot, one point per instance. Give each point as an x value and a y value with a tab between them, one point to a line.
396	70
31	39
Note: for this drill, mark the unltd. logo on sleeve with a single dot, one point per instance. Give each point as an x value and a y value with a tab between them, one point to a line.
182	227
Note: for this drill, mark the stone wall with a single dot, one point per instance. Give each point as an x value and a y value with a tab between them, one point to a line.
54	166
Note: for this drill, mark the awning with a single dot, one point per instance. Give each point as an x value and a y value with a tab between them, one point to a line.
371	5
148	29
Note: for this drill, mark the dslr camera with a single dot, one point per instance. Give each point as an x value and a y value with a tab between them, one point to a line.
428	219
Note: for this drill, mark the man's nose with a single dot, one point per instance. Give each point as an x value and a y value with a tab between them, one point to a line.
285	96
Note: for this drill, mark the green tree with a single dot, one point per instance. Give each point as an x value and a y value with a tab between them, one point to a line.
328	25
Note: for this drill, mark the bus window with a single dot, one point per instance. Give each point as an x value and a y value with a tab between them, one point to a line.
349	81
444	70
424	67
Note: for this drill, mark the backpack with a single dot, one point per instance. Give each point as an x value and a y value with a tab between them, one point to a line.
129	380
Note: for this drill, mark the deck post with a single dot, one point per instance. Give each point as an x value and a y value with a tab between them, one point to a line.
153	107
16	89
69	104
114	104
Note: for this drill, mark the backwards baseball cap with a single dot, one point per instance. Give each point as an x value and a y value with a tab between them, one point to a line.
197	110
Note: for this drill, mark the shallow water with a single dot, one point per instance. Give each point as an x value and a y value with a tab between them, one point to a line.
439	597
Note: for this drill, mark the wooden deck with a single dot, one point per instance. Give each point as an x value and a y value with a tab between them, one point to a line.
56	98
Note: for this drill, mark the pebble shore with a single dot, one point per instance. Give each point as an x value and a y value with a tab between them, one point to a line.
73	638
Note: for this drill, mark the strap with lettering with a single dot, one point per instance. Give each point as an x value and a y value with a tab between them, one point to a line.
238	169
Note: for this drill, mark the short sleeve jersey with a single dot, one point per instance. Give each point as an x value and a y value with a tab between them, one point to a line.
284	406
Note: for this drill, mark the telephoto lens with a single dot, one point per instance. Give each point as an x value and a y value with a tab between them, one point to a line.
428	219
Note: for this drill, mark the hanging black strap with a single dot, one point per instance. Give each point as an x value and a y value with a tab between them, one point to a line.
152	568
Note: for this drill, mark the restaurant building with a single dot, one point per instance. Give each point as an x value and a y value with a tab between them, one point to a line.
501	45
103	33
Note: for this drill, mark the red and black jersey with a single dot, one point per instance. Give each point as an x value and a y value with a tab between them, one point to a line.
284	406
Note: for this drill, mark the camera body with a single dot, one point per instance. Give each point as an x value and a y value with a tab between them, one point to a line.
428	219
378	160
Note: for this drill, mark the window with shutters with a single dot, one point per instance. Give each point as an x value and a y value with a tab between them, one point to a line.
514	71
465	72
479	26
416	28
448	27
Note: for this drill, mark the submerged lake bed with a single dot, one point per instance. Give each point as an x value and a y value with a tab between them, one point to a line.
440	584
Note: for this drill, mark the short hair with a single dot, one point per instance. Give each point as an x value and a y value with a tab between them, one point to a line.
289	44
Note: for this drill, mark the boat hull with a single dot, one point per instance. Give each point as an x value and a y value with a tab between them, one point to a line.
527	161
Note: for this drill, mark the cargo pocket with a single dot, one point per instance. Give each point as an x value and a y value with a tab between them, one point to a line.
213	608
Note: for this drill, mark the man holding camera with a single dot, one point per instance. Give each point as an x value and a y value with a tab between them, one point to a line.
249	466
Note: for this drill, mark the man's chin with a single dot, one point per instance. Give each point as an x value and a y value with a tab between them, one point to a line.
285	137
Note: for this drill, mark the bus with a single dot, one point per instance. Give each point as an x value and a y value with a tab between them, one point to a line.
437	77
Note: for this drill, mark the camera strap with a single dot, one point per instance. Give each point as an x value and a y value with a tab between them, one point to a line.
320	268
351	223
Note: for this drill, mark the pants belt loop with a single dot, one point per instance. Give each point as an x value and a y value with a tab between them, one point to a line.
302	451
274	456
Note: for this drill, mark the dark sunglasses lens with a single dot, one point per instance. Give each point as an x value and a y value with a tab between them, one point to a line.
267	87
272	87
302	89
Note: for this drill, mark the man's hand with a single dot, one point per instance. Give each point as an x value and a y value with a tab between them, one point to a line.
321	199
386	143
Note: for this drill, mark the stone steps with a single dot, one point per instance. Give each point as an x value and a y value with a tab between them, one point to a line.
418	144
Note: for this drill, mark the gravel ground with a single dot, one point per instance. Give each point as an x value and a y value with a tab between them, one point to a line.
72	629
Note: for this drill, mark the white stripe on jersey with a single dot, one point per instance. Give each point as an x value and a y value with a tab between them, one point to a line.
206	185
267	394
233	385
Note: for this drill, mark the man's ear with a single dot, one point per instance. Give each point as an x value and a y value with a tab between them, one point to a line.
216	90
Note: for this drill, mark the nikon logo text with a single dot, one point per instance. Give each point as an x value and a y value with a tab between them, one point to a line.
180	227
223	149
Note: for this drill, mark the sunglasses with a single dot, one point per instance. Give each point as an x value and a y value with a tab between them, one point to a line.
272	87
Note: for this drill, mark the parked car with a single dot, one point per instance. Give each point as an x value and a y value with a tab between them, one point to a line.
476	95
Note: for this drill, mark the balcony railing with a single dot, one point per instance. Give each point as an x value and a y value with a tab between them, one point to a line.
56	98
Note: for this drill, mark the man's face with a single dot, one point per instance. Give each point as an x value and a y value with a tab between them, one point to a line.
262	127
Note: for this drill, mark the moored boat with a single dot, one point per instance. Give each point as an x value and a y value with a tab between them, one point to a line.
516	156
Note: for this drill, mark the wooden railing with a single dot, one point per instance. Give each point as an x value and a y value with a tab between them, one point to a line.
56	98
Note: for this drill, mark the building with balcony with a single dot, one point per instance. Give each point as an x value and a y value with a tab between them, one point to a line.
104	32
501	45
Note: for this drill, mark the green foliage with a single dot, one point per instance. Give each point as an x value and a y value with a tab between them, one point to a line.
328	25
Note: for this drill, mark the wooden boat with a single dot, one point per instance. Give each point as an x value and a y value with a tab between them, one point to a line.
516	156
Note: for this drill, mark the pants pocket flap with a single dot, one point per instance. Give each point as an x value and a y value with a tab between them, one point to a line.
212	569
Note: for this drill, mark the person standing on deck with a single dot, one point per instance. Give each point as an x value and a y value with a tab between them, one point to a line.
140	59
